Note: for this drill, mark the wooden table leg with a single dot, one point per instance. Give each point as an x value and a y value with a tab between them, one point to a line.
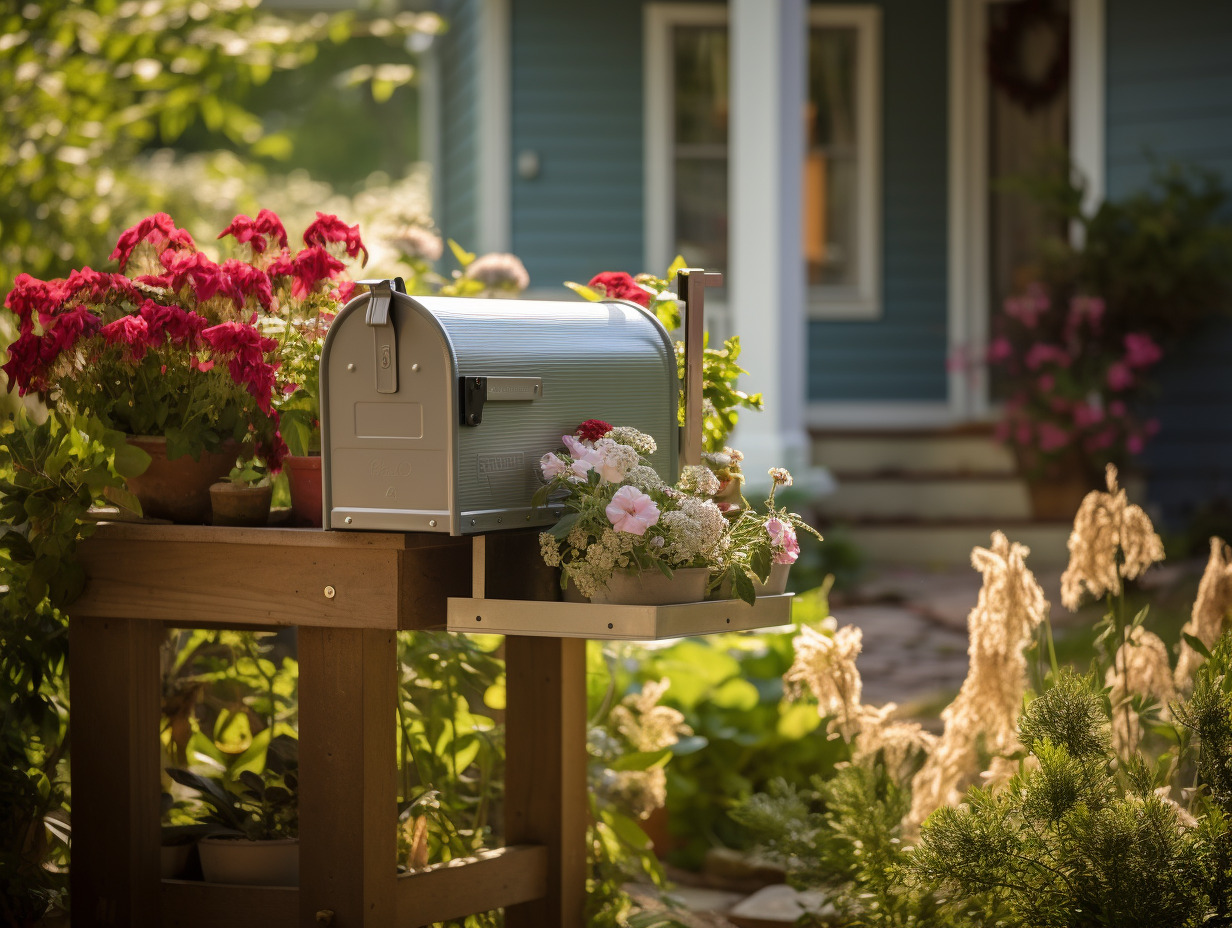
115	689
348	804
545	772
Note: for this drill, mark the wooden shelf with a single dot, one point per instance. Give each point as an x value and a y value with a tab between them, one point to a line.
637	623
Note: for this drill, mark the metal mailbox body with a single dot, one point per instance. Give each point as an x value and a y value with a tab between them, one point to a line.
435	411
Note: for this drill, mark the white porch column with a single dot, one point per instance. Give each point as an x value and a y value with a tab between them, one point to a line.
766	275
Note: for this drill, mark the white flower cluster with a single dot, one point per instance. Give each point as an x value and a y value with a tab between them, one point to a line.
696	530
603	557
549	550
699	480
638	441
613	460
645	478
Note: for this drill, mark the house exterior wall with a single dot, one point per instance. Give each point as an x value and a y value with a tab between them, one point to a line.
457	180
577	94
1169	98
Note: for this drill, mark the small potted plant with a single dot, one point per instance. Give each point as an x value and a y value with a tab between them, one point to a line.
763	546
244	497
254	824
628	536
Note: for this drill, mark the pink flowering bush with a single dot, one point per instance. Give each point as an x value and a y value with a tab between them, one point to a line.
176	344
1073	383
621	514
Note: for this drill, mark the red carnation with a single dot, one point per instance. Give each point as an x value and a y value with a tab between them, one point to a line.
180	327
343	291
90	286
133	332
592	430
328	229
310	266
256	232
618	285
159	230
205	277
31	295
251	281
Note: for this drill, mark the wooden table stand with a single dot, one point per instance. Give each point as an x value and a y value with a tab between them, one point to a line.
348	594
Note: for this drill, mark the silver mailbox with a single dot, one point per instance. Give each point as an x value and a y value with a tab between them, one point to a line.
435	411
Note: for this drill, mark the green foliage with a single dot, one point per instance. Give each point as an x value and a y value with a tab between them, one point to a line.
50	474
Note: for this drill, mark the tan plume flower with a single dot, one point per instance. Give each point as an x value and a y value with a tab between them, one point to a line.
1210	610
1011	606
899	742
826	667
647	725
1140	667
1107	523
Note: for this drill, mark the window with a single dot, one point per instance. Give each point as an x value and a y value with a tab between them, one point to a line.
687	159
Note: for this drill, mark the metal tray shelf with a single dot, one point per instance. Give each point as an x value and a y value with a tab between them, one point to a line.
635	623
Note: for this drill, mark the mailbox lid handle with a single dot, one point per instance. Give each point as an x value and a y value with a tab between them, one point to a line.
691	284
379	317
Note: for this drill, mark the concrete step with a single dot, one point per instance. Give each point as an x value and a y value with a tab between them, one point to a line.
895	452
945	544
927	496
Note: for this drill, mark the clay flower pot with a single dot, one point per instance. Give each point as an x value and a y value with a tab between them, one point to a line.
648	588
179	490
239	504
254	863
304	475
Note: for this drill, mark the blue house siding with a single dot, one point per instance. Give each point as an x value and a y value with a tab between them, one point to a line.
1169	86
577	103
458	54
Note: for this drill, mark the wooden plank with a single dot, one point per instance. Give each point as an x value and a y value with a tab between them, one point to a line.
515	568
115	687
427	577
607	622
283	537
489	880
347	776
194	904
545	772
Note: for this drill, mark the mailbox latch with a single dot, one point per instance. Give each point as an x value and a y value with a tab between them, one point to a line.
380	318
474	392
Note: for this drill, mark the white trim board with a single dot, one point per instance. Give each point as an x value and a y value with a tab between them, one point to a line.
879	415
1088	97
863	303
495	52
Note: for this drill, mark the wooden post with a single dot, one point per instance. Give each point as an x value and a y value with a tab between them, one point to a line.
348	777
545	772
115	685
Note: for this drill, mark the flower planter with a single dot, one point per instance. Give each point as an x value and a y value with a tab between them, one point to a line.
648	588
775	585
237	504
179	490
253	863
1057	500
304	476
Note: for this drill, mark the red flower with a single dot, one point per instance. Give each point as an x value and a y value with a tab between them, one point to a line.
133	332
326	229
311	266
255	232
247	364
159	230
1041	354
31	295
1140	350
205	277
180	327
251	281
592	430
343	291
618	285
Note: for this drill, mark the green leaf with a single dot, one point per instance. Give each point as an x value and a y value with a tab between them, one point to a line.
130	461
564	526
642	760
584	291
677	265
1196	643
628	831
461	255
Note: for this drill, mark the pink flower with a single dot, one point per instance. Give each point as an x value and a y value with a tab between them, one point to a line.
1088	309
1046	382
207	279
632	511
1135	443
181	327
1000	350
575	448
1087	414
343	292
1120	377
251	282
1042	353
159	230
783	540
31	295
1022	434
130	331
552	466
1140	350
309	267
326	228
259	232
1117	408
618	285
1028	308
1052	437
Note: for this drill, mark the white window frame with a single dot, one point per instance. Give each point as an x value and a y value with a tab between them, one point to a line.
860	302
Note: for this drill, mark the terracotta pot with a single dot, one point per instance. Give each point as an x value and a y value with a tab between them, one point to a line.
648	588
775	584
252	863
1057	500
304	475
237	504
179	490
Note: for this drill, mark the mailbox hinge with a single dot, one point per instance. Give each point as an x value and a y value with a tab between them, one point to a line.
379	316
474	393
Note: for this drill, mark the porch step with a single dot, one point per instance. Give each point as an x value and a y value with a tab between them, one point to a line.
967	450
923	497
940	544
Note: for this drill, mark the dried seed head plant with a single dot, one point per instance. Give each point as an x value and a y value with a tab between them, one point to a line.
1210	609
825	665
1140	667
1107	523
1010	607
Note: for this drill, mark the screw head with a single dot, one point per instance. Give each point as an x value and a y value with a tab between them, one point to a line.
330	592
432	523
351	367
415	366
347	520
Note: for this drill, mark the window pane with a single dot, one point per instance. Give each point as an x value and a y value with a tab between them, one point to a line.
831	163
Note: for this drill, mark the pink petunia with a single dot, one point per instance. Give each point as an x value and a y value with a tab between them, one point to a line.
1042	353
552	466
632	511
1120	377
1052	437
1088	309
1000	350
1140	350
1087	414
1028	308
